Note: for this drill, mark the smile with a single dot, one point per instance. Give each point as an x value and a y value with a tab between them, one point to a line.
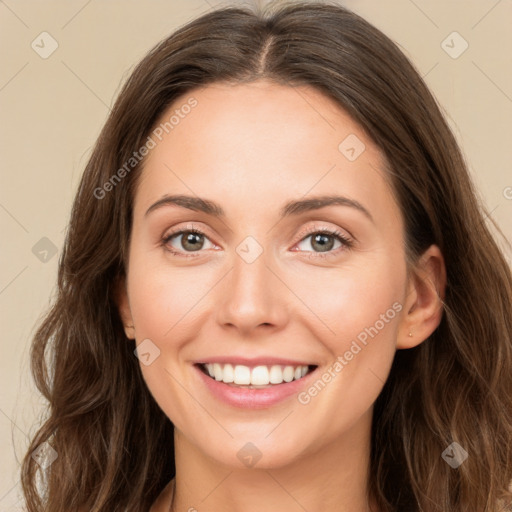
257	376
254	387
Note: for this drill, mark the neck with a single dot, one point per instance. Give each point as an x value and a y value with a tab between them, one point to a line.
329	477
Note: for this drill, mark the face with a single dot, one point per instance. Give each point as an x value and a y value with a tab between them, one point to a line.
265	284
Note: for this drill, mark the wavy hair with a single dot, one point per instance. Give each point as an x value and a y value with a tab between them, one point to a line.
115	445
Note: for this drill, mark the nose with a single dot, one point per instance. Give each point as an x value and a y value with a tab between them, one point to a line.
253	298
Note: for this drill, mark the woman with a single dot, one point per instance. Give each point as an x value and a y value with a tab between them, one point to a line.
278	291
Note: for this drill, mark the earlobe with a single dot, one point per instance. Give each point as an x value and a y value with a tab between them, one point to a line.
123	306
424	302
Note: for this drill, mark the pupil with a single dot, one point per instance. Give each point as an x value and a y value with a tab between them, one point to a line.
190	238
321	238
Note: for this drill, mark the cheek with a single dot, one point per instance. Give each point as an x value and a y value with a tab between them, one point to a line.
162	296
348	299
165	302
359	306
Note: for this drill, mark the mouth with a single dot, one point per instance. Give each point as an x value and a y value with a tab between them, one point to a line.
255	377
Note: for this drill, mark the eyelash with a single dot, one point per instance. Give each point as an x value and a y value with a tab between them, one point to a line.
346	242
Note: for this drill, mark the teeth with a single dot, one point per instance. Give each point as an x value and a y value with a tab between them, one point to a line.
217	371
228	373
257	376
242	375
288	373
276	375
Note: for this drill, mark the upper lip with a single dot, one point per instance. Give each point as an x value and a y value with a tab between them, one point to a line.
257	361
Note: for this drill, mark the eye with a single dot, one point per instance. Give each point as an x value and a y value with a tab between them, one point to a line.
323	242
189	240
192	240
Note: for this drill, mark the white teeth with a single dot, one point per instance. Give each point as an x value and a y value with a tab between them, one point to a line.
217	371
242	374
228	373
276	375
288	373
257	376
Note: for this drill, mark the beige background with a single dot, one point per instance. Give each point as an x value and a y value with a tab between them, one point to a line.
53	110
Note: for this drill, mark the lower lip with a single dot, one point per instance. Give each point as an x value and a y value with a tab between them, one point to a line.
253	398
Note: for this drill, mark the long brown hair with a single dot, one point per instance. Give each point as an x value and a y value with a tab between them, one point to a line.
114	445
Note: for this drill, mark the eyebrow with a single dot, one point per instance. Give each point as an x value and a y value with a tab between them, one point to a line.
291	208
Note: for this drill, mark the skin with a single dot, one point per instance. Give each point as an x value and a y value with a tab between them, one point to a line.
252	148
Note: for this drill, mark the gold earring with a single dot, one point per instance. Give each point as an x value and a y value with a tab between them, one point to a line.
410	335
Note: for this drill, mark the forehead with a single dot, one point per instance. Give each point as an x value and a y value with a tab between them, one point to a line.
261	141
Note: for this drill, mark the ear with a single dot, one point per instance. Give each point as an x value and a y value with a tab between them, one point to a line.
123	306
423	308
